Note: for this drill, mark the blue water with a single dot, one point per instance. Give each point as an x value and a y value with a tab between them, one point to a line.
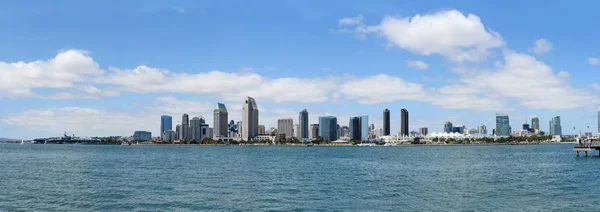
192	178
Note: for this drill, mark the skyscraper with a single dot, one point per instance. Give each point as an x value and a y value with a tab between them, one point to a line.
261	130
364	127
328	128
195	129
386	122
535	123
185	126
314	131
220	121
178	132
423	131
285	126
502	125
448	127
354	124
166	123
249	119
303	124
404	122
481	129
555	127
296	131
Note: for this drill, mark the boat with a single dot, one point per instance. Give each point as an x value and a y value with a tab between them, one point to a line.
22	142
310	144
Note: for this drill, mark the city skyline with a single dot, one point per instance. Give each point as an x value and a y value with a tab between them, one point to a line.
116	76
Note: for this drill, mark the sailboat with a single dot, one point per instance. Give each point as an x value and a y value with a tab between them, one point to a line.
22	142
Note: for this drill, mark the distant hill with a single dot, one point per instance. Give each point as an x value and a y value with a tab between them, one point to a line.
8	139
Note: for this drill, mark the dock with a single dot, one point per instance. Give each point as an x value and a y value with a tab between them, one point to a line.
586	146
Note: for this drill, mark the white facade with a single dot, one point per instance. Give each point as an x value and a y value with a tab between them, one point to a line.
249	119
220	121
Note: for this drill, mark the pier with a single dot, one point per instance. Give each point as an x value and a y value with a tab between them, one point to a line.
586	146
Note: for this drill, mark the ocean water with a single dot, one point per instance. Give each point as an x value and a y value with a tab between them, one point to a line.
242	178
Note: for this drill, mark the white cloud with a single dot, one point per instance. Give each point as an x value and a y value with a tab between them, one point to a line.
542	46
594	61
66	70
381	88
351	20
448	33
418	64
596	86
529	81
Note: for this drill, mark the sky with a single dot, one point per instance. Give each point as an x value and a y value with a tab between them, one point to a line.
100	68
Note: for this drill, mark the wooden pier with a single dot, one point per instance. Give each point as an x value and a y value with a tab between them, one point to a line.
586	146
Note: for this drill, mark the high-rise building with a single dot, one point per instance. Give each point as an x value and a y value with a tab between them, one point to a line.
448	127
344	130
220	121
404	122
314	131
142	136
195	129
458	129
178	132
296	131
502	125
481	129
328	128
535	123
423	131
354	124
359	127
185	126
285	127
303	124
249	119
555	127
169	135
386	122
166	123
261	130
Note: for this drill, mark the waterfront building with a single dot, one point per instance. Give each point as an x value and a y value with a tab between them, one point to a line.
232	129
404	122
482	129
296	131
502	125
473	131
185	126
142	136
169	135
261	130
328	128
359	127
423	131
166	123
345	130
448	127
535	123
555	127
314	131
239	129
249	119
285	127
303	124
178	132
457	129
386	122
196	129
220	121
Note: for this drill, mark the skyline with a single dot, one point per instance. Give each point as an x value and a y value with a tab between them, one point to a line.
114	75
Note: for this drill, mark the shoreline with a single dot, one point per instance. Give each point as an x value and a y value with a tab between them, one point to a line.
317	145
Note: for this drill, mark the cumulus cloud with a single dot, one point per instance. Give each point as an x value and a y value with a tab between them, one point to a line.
594	61
381	88
66	70
542	46
418	64
448	33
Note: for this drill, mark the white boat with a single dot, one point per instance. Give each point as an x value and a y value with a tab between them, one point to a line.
22	142
366	144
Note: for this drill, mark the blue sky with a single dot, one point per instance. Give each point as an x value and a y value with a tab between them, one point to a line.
112	67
